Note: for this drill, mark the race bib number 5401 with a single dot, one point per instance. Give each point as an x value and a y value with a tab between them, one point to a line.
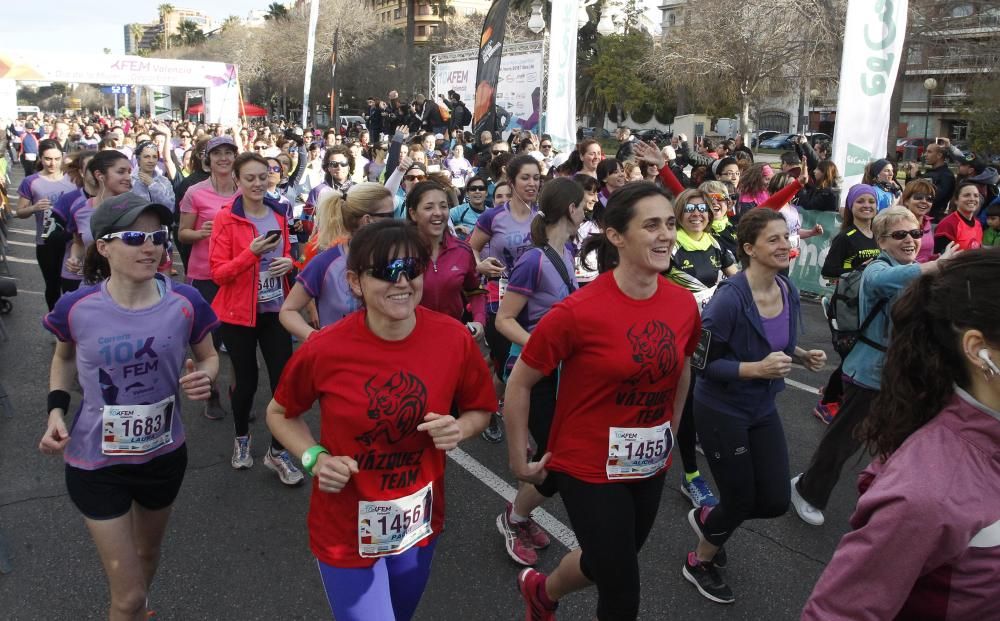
387	527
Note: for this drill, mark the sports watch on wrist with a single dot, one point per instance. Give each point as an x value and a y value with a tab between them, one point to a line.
310	456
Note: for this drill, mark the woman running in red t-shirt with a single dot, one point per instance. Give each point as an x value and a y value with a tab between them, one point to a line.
623	344
386	378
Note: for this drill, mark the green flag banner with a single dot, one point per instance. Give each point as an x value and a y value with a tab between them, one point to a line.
805	269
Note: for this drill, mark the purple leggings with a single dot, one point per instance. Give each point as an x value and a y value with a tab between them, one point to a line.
389	590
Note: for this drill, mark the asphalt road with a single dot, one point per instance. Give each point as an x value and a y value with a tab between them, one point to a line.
237	547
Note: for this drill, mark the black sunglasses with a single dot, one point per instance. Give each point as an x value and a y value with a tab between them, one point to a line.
693	207
336	164
414	177
920	196
138	238
498	152
409	266
259	147
901	235
477	188
384	214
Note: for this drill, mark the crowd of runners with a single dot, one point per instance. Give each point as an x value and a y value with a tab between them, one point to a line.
428	287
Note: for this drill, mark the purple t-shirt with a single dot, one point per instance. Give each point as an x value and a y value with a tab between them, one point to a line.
325	279
64	209
37	187
270	294
127	357
536	278
776	328
509	239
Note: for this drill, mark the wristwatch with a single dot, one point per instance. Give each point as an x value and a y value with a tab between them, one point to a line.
309	457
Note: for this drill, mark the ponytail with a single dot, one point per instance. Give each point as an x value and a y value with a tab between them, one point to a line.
553	206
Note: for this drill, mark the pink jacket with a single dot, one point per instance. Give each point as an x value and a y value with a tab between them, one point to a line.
926	538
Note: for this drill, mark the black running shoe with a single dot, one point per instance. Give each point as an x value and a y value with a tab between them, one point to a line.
706	578
696	517
494	433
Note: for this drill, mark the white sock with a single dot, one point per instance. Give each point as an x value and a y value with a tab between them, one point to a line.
517	519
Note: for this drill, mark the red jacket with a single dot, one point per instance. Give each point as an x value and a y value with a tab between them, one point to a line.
234	266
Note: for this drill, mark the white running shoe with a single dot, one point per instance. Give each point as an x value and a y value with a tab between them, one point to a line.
242	459
808	513
281	463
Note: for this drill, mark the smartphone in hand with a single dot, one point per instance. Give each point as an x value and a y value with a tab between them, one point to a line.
272	235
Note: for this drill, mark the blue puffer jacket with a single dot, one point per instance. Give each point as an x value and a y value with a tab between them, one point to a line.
738	336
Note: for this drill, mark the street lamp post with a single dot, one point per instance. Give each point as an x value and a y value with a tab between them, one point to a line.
929	85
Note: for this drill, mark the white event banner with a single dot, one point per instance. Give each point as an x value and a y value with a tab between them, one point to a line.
560	96
220	80
518	88
873	46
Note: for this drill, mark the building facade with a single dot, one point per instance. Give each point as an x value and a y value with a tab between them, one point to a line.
428	14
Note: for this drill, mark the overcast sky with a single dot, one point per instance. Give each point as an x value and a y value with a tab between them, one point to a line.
76	26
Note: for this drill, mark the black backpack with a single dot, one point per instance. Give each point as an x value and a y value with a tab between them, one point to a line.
843	314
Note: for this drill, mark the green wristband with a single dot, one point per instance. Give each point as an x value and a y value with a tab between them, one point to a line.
310	456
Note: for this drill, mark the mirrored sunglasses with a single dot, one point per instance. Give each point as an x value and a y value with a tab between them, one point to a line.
138	238
693	207
409	266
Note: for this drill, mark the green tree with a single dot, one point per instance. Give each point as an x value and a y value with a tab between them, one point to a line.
230	22
137	31
276	11
983	114
164	10
188	33
613	73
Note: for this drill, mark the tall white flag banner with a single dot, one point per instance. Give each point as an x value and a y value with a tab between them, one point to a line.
873	44
560	100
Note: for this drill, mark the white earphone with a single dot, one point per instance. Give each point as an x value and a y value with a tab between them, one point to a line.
984	355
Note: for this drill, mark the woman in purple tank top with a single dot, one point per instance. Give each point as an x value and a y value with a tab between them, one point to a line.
749	332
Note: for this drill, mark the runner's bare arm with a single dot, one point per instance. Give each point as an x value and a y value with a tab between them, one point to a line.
516	401
290	314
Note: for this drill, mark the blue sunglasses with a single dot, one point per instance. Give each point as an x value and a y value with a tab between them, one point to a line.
410	266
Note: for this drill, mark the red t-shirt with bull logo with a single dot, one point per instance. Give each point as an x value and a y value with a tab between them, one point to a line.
621	361
372	394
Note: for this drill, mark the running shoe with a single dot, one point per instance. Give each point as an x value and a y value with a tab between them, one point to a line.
532	583
705	577
517	539
808	513
242	459
826	411
494	433
281	463
698	492
696	518
213	407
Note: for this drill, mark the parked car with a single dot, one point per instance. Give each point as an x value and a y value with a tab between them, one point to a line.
786	142
919	143
816	137
593	132
761	136
351	125
654	135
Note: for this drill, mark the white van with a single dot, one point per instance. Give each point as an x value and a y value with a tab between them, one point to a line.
28	111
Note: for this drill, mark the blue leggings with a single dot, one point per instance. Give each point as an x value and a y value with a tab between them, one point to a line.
389	590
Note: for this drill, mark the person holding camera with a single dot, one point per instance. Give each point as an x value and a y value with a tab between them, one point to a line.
249	259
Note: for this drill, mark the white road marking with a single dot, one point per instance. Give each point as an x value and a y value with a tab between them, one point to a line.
22	231
20	260
806	387
546	520
20	243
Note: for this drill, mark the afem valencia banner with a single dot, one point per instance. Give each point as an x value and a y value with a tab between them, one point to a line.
488	69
